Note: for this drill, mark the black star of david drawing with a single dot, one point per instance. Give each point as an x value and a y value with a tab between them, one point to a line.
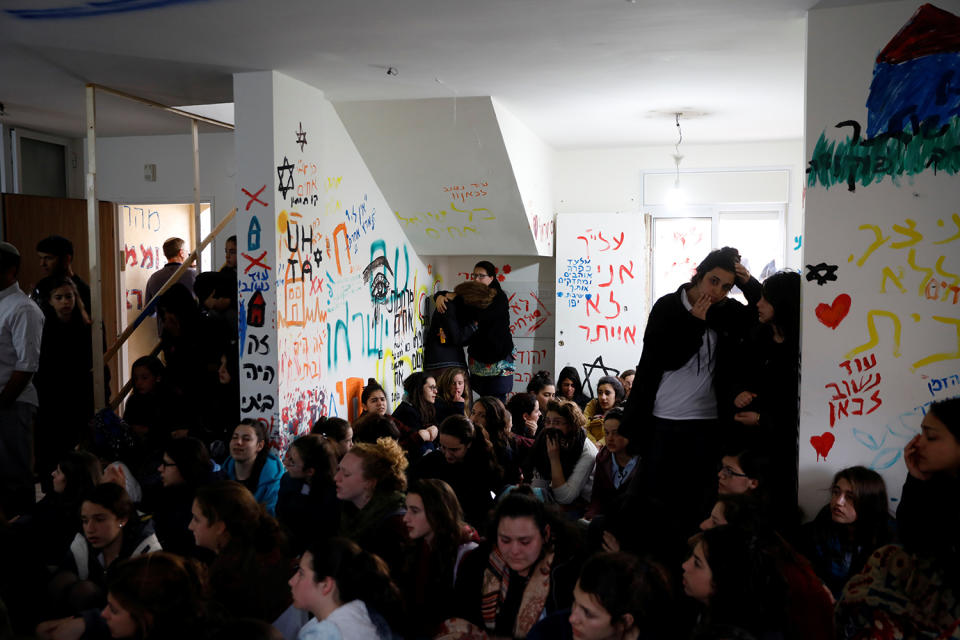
822	273
588	370
285	174
301	137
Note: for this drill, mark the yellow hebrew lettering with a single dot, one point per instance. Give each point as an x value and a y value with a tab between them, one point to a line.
875	337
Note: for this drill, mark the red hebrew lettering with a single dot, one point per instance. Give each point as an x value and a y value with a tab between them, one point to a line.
620	242
876	399
618	308
594	302
630	332
130	255
608	282
629	271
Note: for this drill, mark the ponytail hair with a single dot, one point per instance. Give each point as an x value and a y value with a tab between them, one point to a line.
359	575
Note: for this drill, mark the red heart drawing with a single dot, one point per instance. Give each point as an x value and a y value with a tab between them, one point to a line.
822	444
832	315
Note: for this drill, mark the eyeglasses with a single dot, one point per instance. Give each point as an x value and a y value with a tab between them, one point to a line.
727	472
164	463
554	422
479	276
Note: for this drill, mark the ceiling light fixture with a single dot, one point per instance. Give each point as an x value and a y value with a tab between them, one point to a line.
676	197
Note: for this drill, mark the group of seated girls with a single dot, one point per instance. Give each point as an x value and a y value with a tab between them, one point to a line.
497	521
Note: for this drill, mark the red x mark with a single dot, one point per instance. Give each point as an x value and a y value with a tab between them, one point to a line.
254	198
255	262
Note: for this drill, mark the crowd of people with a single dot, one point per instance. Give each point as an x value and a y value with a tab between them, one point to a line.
658	503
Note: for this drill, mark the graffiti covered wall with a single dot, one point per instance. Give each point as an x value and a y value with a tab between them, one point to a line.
600	311
881	320
331	292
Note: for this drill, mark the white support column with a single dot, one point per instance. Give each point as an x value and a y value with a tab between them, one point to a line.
197	233
93	249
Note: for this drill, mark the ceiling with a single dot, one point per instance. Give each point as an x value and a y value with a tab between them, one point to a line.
579	73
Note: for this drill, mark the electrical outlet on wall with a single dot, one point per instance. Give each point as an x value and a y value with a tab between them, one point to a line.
150	172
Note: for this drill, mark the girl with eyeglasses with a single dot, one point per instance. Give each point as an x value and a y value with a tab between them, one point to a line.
563	457
416	416
490	350
185	466
849	528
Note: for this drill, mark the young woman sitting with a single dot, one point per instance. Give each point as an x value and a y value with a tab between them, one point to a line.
736	582
307	506
542	387
525	570
569	387
626	379
525	414
338	431
810	604
454	395
156	596
615	467
55	520
254	464
854	524
439	539
563	457
251	567
467	463
111	531
416	416
348	591
370	483
184	467
617	597
609	395
914	590
509	448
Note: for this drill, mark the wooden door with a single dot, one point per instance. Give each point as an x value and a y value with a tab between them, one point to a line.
29	219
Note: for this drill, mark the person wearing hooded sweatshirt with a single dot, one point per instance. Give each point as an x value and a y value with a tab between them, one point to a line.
570	388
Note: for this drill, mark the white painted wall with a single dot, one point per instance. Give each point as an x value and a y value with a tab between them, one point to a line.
609	180
444	168
532	162
120	164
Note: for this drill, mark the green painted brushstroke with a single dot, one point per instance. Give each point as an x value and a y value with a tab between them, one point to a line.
868	161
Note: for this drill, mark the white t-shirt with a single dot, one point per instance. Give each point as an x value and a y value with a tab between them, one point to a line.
21	327
687	393
348	622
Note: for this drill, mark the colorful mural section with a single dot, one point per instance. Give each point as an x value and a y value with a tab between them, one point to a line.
349	293
881	321
913	117
600	318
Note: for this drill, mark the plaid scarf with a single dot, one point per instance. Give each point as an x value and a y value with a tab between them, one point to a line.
496	583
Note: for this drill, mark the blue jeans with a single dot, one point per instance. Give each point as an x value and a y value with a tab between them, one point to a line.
496	386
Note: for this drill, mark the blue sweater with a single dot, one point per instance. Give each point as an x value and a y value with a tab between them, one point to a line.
268	484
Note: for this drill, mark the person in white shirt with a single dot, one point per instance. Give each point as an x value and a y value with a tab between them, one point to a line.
21	327
349	592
